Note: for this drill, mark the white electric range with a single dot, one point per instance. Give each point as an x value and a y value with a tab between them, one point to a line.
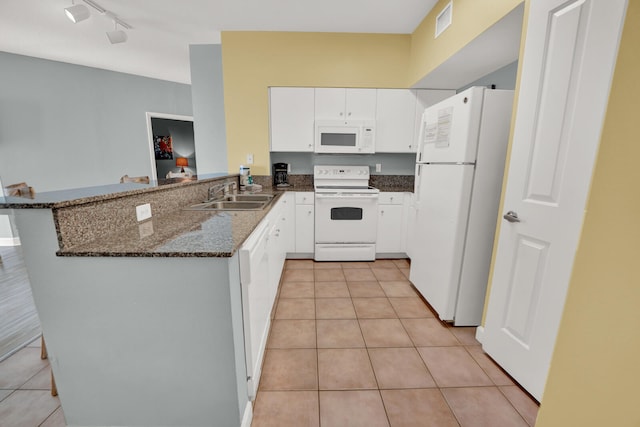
346	214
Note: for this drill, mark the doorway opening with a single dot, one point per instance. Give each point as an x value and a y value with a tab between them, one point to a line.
171	145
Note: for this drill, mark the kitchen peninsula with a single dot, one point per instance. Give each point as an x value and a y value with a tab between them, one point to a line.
143	321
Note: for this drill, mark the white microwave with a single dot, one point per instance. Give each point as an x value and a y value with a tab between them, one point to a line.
345	136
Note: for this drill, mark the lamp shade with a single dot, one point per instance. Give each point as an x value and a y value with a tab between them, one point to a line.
117	36
77	13
182	161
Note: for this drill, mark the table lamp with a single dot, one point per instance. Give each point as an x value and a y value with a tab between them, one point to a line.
182	162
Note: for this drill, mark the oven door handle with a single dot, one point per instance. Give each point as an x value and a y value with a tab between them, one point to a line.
346	196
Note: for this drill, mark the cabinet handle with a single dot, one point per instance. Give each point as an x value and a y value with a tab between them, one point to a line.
349	114
341	114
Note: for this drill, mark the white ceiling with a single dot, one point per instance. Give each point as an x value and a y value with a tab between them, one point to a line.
158	44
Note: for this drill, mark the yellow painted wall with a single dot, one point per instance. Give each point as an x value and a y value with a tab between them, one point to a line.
253	61
595	370
470	19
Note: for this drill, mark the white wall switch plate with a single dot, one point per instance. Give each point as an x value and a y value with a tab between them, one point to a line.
378	167
143	212
250	159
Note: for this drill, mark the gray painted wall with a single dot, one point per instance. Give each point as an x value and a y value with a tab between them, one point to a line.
503	78
392	164
66	126
208	108
181	133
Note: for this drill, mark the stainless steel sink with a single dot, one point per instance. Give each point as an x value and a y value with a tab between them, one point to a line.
248	198
235	202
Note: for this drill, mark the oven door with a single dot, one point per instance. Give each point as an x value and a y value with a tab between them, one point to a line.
346	218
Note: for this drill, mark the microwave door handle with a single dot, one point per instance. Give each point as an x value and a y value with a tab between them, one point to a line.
417	182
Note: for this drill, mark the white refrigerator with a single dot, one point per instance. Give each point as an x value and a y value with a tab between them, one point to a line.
459	170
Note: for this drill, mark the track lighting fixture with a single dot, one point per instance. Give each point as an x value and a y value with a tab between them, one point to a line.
80	12
117	36
77	12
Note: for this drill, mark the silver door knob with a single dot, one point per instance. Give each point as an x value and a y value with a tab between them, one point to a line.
511	216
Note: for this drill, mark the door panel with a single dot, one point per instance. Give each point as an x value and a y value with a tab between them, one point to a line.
520	310
569	56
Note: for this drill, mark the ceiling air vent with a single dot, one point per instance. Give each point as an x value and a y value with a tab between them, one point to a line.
443	20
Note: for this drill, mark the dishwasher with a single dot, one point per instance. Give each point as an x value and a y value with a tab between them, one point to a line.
256	301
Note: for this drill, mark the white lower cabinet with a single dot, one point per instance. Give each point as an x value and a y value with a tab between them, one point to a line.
391	224
304	229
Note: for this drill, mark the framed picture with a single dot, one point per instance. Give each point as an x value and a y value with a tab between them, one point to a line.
163	147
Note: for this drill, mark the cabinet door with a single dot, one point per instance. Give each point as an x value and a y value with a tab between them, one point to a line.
291	117
304	229
395	120
426	98
287	223
390	219
360	104
345	104
329	103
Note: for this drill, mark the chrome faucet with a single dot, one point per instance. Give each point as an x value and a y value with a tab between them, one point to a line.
213	191
224	189
231	188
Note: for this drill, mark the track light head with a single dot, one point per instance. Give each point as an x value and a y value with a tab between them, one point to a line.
77	13
117	36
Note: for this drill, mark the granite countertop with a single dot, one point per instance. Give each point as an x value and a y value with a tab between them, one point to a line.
176	233
76	196
182	233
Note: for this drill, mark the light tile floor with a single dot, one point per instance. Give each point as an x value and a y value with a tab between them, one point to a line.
25	391
352	344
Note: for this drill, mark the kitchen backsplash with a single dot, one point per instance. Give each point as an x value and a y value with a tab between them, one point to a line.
383	182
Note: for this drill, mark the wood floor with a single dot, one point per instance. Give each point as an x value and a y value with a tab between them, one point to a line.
19	323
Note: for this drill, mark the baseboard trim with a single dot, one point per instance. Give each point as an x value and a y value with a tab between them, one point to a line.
480	334
248	415
9	241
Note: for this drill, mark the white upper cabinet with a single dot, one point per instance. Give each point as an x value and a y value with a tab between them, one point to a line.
397	114
291	118
345	104
395	121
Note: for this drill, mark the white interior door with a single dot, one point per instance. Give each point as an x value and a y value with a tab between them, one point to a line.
569	56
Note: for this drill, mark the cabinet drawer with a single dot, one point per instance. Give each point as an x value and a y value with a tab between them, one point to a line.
391	198
304	198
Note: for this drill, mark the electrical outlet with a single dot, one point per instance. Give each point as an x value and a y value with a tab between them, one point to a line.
378	167
249	159
143	212
145	229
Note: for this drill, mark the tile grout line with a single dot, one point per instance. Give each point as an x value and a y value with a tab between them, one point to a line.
49	416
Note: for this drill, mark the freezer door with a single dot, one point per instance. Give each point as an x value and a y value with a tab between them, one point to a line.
449	129
440	229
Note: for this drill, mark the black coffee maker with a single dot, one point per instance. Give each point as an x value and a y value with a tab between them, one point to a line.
280	174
